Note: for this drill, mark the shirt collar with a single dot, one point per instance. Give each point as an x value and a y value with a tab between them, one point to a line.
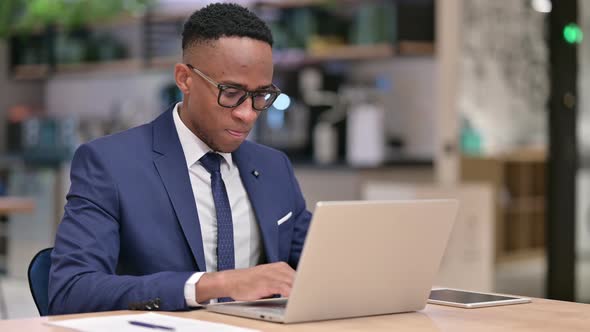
192	146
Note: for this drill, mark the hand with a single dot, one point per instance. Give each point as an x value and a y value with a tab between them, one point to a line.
247	284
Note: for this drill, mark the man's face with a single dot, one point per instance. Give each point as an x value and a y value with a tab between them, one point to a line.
236	61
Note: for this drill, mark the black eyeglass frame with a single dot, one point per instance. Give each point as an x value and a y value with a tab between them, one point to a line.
274	91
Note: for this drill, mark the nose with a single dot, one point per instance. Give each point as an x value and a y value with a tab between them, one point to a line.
245	112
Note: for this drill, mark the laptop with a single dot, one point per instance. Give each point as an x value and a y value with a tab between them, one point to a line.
361	258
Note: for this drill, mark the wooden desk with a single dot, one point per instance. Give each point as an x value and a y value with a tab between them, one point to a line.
541	315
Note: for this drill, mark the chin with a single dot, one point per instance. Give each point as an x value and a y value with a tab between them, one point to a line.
228	148
222	144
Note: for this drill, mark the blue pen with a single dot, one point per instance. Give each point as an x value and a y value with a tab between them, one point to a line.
151	326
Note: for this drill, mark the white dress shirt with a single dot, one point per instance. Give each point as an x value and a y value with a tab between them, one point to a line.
247	243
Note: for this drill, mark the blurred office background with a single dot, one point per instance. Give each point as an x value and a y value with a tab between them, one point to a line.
383	99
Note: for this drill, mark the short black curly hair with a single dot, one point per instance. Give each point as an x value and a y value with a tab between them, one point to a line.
223	20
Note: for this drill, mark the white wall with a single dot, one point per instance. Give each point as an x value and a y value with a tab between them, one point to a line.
504	73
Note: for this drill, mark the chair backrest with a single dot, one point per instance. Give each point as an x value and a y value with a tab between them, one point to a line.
39	279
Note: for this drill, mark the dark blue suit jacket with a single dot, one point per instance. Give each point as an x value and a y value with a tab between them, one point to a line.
130	233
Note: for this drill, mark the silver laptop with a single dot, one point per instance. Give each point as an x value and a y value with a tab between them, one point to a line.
361	258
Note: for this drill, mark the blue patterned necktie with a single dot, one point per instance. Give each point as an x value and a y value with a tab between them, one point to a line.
225	232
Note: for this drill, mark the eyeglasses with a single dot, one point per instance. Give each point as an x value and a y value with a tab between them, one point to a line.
231	96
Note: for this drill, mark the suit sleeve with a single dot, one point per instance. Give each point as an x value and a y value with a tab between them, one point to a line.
302	218
83	263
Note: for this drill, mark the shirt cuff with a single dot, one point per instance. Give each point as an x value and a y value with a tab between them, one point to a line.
190	295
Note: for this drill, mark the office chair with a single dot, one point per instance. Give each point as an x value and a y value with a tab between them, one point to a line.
39	280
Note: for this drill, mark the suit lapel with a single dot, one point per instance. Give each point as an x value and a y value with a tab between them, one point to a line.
254	185
171	165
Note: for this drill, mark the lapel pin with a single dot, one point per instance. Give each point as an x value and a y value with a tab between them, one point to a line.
255	173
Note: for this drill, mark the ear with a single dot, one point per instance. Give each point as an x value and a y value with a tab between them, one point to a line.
183	78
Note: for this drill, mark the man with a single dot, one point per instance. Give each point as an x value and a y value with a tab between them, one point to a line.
183	211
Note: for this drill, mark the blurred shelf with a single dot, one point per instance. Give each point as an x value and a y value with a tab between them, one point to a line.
168	17
518	178
415	48
31	72
527	155
526	205
16	205
521	155
284	4
165	62
180	12
43	71
391	163
295	58
121	20
354	52
38	72
521	255
110	66
282	58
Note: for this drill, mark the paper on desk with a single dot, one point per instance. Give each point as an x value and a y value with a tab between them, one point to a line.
121	323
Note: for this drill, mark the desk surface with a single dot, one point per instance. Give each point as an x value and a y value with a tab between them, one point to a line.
540	315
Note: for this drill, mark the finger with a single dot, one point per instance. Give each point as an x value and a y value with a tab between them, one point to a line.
284	269
275	272
281	277
287	276
285	290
